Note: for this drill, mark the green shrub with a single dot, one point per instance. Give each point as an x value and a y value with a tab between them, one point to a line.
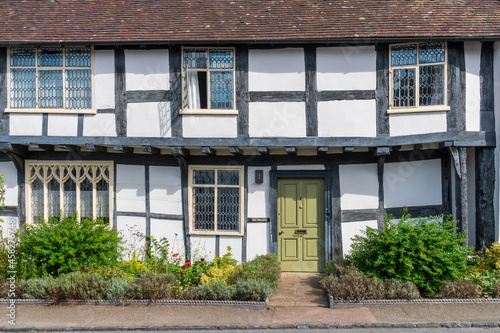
217	290
151	286
118	289
460	288
426	251
397	289
40	288
62	246
78	285
252	290
265	267
491	260
353	285
335	266
488	283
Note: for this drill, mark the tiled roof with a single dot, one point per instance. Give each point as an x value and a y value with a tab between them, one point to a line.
121	21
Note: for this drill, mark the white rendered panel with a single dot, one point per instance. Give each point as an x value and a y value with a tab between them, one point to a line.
236	246
301	167
276	70
346	68
347	118
258	194
165	190
62	125
9	172
25	124
417	123
102	124
351	229
496	78
472	85
281	119
358	186
257	239
130	188
171	230
104	79
130	228
415	183
9	226
147	69
203	247
150	120
209	126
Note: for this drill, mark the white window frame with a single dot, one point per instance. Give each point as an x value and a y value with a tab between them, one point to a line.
29	180
92	110
208	110
241	186
417	108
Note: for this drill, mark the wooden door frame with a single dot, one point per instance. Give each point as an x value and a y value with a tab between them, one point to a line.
273	196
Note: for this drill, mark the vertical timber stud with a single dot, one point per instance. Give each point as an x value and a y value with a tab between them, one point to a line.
382	90
456	87
485	157
460	160
311	93
147	189
381	202
175	62
242	97
120	93
4	117
245	218
336	213
446	183
182	157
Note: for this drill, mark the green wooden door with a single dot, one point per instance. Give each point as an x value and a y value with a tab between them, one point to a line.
301	227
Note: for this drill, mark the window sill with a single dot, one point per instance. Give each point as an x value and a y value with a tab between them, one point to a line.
436	108
215	233
55	111
209	112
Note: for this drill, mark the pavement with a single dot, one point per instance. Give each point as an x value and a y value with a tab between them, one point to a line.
298	303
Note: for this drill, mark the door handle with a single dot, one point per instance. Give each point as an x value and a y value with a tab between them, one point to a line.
281	232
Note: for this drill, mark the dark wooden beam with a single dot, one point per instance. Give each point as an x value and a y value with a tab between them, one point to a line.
322	150
148	96
446	144
382	89
151	150
122	149
4	117
120	93
396	148
208	151
175	62
235	151
418	146
8	147
241	82
179	152
263	150
345	95
381	151
311	91
291	150
94	148
34	145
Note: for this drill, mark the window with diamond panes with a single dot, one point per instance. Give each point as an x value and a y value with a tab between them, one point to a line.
216	200
55	187
50	78
418	75
208	78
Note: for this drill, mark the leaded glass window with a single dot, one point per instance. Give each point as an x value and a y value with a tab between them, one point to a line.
208	78
68	187
50	78
418	75
216	197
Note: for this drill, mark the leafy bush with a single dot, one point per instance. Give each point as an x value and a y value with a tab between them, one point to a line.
425	251
252	290
62	246
488	283
217	290
265	267
118	289
40	288
397	289
491	260
460	288
151	286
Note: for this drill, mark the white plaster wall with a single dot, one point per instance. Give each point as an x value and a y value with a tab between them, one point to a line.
104	79
9	225
210	126
147	70
102	124
9	172
351	229
346	68
150	120
130	188
472	85
257	239
128	227
171	230
471	195
236	246
301	167
276	70
281	119
417	123
25	124
415	183
62	125
258	194
203	247
358	186
347	118
165	190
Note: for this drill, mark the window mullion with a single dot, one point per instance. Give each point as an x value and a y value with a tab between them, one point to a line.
77	190
209	95
36	79
45	195
94	195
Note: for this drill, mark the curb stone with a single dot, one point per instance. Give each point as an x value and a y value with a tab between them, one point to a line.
485	324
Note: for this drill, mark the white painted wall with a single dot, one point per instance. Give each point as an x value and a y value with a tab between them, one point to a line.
9	172
276	70
209	126
171	230
127	227
351	229
347	118
147	70
472	85
165	190
150	120
203	247
258	194
346	68
102	124
280	119
417	123
130	188
358	186
496	74
9	225
415	183
25	124
236	244
62	125
104	79
257	239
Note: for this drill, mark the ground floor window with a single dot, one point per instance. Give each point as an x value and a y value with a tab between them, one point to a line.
68	187
216	200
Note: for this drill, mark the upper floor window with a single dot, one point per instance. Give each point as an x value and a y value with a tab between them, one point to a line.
418	77
50	79
208	79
